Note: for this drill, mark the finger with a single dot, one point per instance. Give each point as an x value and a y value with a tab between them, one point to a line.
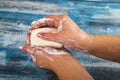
44	22
55	17
21	48
40	22
60	21
36	24
48	20
27	48
33	22
33	57
52	20
37	62
28	38
49	36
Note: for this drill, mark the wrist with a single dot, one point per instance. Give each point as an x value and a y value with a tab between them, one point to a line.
85	41
61	62
64	68
90	41
70	69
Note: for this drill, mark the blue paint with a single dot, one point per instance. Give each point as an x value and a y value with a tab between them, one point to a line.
95	17
21	17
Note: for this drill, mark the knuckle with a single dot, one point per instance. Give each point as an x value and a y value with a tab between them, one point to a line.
63	15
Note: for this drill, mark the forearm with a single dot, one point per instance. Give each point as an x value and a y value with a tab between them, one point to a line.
107	47
71	70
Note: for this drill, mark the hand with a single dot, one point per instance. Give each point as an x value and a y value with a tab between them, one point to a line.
47	57
58	60
69	34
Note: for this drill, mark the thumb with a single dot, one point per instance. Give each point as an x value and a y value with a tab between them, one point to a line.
28	49
49	36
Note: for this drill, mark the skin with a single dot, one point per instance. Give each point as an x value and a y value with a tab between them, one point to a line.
106	47
103	46
64	65
69	34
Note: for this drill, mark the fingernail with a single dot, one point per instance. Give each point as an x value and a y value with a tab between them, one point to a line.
28	38
20	47
33	22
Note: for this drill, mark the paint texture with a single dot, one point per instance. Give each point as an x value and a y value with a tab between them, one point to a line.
93	16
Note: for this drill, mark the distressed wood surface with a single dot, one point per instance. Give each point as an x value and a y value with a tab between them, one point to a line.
93	16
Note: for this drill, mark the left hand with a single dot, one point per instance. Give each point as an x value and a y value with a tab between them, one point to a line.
69	34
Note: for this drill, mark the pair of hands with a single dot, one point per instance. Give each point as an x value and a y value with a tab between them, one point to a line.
69	34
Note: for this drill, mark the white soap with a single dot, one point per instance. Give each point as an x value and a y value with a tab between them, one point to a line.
36	41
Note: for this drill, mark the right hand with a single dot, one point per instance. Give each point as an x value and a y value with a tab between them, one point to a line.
47	57
69	34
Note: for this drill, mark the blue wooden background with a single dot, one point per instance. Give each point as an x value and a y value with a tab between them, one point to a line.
93	16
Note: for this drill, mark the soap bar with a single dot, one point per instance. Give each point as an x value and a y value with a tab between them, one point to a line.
37	41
